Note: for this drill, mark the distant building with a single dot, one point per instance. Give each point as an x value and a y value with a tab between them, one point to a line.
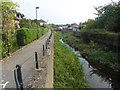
17	18
74	27
65	26
42	22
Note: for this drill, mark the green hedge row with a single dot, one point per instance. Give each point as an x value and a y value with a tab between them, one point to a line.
14	44
26	35
103	37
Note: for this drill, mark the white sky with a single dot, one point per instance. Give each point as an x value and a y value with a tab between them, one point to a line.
60	11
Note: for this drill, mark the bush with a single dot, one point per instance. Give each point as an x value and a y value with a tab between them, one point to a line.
25	35
101	36
14	44
94	52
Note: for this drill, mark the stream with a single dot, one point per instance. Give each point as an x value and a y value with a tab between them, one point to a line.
94	74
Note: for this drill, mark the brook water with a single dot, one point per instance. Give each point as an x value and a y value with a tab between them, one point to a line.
97	76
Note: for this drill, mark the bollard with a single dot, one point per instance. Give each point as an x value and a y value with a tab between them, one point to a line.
46	44
48	40
16	80
50	34
43	51
36	60
49	37
18	77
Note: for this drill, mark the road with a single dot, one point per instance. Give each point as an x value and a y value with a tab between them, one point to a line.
24	57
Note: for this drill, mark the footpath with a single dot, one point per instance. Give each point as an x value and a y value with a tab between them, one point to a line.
25	57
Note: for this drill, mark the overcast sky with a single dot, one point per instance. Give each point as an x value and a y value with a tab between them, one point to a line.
60	11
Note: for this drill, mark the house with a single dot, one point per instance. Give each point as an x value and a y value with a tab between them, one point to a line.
17	18
65	26
70	27
73	27
42	22
60	28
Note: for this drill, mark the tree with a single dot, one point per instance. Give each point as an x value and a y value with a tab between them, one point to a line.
35	22
109	17
90	24
25	23
8	13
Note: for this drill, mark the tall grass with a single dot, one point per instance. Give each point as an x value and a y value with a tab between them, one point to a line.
68	72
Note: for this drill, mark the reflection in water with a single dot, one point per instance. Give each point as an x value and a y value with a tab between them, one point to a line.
97	75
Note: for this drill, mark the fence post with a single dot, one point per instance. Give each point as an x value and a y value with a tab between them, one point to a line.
18	77
36	60
43	51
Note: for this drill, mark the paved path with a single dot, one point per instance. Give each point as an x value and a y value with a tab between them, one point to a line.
20	57
43	78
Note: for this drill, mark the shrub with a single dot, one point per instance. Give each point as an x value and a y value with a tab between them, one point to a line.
94	52
103	37
25	35
14	44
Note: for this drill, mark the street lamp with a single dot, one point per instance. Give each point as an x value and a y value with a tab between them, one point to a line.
36	21
36	12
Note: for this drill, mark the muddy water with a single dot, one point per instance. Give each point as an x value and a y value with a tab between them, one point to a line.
97	76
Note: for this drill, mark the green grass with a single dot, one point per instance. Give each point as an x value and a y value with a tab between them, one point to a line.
94	52
68	72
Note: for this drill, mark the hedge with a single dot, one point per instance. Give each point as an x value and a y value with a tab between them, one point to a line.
14	44
109	39
25	35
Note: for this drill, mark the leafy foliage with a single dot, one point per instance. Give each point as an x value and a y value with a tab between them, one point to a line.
109	15
26	35
95	52
109	39
108	18
90	24
8	28
27	23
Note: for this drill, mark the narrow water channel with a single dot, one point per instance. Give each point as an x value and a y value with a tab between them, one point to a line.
96	77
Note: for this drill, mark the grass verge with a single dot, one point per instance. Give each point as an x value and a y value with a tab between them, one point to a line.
68	72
